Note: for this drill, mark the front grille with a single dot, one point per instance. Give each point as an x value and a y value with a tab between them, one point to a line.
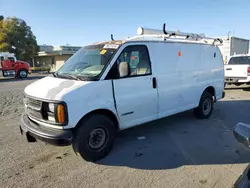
33	103
33	113
33	107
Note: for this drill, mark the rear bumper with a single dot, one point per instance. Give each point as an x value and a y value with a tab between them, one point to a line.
239	80
34	132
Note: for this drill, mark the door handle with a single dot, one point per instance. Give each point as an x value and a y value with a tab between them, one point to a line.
229	69
154	82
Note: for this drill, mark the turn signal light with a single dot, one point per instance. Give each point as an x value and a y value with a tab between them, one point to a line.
60	113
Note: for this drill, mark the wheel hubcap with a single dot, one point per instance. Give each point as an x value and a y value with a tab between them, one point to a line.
97	138
23	73
206	107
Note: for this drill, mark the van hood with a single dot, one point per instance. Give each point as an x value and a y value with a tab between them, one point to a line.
51	88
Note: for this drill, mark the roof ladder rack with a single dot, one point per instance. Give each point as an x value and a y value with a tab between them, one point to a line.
177	34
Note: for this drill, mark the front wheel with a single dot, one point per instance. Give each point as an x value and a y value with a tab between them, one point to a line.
3	73
22	73
205	108
94	137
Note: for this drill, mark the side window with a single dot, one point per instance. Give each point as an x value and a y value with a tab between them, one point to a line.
138	59
134	59
11	59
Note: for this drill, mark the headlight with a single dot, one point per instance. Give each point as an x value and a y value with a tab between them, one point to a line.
51	112
51	107
56	112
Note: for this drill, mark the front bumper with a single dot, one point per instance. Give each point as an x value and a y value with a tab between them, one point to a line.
34	132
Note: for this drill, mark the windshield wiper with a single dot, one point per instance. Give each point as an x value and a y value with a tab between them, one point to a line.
55	74
70	76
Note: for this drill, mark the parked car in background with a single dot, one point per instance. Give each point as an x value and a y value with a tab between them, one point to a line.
241	133
237	71
10	66
111	86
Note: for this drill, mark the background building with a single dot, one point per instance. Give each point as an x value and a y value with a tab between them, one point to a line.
232	46
53	57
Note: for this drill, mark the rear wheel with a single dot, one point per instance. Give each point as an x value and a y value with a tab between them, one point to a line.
94	137
205	108
22	73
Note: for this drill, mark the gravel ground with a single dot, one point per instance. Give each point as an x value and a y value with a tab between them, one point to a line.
177	151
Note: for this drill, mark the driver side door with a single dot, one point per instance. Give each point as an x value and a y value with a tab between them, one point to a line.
136	95
11	63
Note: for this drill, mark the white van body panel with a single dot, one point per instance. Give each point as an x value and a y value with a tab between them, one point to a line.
81	97
181	80
93	96
182	71
51	88
136	100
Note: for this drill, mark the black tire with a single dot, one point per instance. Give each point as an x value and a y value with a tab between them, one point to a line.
19	75
3	73
202	112
87	129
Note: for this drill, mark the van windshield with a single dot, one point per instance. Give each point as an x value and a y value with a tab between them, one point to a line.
88	63
244	60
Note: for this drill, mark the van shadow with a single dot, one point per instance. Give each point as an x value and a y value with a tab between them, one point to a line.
183	140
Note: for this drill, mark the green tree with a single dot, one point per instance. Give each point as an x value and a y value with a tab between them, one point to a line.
16	37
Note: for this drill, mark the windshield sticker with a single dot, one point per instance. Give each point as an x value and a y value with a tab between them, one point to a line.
103	52
113	46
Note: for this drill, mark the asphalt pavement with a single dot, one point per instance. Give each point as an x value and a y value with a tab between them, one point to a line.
178	151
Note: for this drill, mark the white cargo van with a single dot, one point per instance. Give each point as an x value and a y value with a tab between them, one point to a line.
237	71
110	86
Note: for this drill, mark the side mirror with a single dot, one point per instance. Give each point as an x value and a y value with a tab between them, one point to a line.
241	132
124	69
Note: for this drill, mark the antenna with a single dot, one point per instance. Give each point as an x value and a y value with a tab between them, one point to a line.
111	37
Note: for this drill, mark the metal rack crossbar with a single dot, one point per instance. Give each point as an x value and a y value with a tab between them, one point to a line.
164	34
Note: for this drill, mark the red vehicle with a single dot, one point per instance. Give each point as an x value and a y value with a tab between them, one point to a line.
12	67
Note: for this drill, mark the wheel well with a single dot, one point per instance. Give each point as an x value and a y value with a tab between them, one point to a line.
105	112
22	69
210	90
